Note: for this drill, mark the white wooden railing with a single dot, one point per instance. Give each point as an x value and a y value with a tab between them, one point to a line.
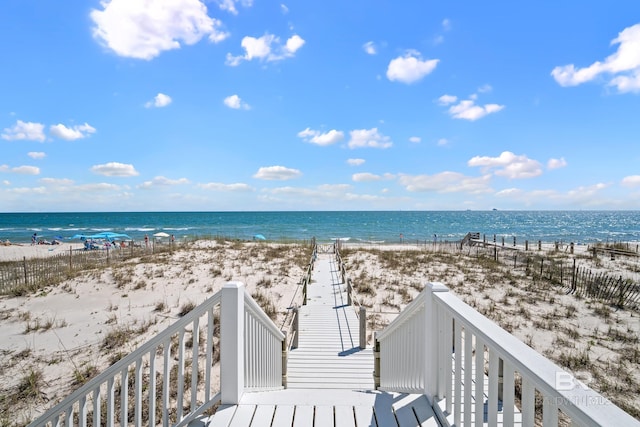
169	380
470	369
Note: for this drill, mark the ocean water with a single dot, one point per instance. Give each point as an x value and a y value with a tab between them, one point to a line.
366	226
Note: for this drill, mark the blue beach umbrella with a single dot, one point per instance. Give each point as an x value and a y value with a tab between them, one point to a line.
259	237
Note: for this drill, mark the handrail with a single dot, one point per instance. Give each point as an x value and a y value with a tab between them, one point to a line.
559	388
165	373
444	346
121	369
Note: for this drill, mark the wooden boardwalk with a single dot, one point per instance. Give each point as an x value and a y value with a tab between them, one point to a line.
329	378
328	353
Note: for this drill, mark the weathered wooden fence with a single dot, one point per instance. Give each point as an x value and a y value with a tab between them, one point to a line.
28	275
578	280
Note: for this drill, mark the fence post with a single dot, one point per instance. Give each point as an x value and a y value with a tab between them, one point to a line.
432	347
363	328
232	343
24	265
349	289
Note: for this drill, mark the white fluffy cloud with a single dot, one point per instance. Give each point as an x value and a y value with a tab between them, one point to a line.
467	109
355	162
37	154
115	169
631	181
369	138
144	28
21	170
622	68
508	165
556	163
410	68
277	173
159	101
445	182
235	187
235	102
369	177
370	48
27	131
447	99
161	181
365	177
230	5
415	139
319	138
71	133
266	48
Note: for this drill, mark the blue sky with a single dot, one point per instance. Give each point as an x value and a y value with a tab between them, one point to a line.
143	105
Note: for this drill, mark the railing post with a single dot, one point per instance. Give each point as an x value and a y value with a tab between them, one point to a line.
349	289
363	328
284	360
376	361
294	328
432	346
232	343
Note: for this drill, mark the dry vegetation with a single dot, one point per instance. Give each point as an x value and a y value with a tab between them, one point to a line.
598	342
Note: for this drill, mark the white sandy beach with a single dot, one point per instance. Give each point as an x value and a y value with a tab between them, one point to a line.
17	251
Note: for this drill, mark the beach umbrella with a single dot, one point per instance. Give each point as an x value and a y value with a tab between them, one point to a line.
161	234
259	237
108	235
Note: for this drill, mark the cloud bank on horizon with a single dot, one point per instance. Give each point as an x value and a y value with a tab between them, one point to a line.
241	105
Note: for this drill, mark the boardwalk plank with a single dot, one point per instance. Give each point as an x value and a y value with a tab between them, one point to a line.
283	416
303	416
243	416
364	416
323	416
263	416
223	416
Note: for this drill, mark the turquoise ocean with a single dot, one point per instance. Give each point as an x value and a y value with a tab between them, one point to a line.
581	227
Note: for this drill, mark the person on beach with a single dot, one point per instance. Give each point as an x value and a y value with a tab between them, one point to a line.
34	238
146	241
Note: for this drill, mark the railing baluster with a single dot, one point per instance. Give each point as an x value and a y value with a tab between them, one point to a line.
468	369
457	377
111	386
508	403
97	400
124	396
180	382
479	391
493	388
195	338
152	386
82	413
138	393
549	412
209	357
166	351
528	403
